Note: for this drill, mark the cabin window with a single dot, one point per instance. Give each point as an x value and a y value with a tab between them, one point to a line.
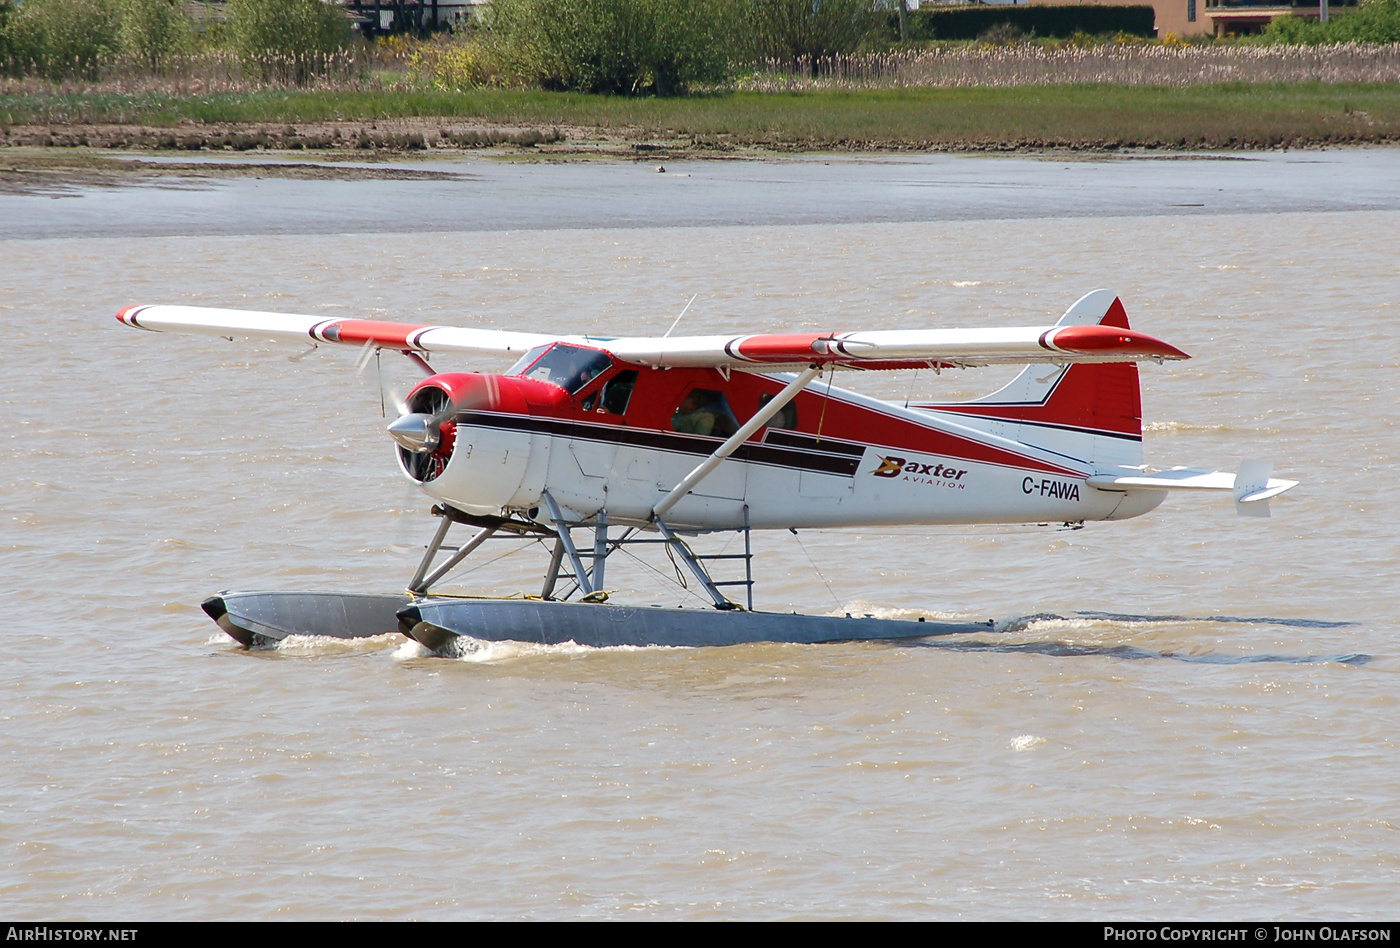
569	367
785	418
618	392
705	411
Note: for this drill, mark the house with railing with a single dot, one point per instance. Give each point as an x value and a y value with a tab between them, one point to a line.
1225	17
378	17
1215	17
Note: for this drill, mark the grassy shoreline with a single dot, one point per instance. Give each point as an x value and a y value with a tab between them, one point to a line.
1092	117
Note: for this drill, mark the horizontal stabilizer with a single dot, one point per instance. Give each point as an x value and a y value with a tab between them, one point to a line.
1251	487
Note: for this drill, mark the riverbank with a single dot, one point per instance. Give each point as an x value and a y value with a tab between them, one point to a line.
1098	118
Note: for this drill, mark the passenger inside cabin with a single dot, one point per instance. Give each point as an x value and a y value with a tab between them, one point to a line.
705	411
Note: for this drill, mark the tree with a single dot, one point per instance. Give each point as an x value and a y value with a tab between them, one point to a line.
152	31
617	47
795	32
289	39
62	38
1375	21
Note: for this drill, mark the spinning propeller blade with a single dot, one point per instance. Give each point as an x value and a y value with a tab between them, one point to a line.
426	429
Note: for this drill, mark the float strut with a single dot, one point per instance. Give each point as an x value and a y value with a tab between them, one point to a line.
433	547
461	554
600	550
693	564
551	577
562	526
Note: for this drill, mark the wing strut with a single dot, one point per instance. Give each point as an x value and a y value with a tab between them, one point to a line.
765	414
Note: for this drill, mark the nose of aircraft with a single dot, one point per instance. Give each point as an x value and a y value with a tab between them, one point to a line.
426	433
417	432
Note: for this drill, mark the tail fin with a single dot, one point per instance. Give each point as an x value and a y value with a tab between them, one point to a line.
1090	411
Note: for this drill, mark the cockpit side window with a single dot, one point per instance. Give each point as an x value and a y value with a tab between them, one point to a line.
786	416
569	367
618	392
705	411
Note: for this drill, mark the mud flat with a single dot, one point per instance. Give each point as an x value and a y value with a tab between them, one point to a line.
1089	117
47	193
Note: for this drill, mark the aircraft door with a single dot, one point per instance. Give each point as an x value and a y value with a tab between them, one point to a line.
536	471
706	412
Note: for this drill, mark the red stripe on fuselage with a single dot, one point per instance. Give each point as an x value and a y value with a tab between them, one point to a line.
1089	398
848	421
857	420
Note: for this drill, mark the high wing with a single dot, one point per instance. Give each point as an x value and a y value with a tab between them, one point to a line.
878	349
407	337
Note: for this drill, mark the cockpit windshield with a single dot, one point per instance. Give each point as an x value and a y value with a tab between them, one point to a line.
525	361
569	367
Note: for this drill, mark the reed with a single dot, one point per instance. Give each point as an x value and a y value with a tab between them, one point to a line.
1132	65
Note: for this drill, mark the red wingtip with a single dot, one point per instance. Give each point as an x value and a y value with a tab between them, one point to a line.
127	315
1111	341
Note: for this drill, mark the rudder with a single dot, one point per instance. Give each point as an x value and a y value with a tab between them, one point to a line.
1090	411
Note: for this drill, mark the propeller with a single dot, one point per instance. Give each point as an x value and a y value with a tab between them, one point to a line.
426	428
391	397
426	432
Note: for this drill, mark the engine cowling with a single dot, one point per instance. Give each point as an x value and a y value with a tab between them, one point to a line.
466	439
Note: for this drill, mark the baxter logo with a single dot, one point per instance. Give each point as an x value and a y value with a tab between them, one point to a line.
893	467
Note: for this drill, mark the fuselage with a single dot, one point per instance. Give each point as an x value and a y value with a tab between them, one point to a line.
606	437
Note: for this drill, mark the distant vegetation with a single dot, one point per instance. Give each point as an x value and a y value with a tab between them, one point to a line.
627	47
642	48
280	41
1373	21
291	40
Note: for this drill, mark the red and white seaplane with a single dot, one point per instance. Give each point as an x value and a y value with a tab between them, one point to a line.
649	440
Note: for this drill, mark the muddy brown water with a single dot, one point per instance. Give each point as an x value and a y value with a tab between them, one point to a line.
1189	715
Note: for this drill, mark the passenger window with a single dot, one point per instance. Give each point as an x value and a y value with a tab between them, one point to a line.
705	411
786	417
618	392
569	367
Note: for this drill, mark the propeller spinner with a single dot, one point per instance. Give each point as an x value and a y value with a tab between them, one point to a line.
426	432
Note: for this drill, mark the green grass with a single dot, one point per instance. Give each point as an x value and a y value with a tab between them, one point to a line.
1232	115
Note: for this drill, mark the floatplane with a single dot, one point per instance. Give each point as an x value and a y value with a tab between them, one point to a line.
594	444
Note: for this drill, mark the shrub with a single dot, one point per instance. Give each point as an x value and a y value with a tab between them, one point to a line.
624	47
798	31
1292	30
1003	34
453	66
153	31
288	39
7	59
1374	21
62	38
